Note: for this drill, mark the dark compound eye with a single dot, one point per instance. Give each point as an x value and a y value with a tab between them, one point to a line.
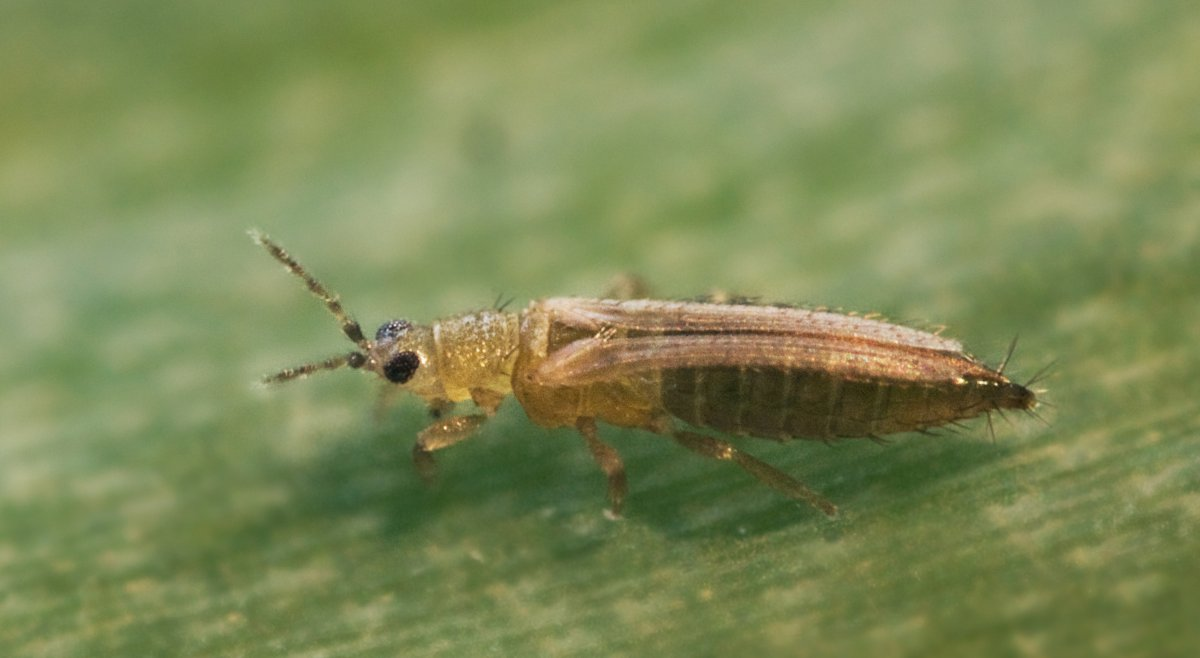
402	367
391	329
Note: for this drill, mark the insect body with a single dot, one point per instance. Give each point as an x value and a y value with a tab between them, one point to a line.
761	371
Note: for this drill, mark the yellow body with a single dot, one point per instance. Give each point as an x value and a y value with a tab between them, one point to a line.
762	371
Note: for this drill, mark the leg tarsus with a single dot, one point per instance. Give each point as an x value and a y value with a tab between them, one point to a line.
769	475
609	461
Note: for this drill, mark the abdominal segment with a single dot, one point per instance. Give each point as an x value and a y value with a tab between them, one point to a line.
782	403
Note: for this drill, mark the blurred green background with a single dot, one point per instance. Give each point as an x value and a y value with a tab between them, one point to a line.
1025	167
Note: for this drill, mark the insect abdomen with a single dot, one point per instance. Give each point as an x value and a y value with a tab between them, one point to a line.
782	403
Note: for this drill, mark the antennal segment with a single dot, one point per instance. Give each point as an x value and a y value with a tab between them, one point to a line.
349	327
353	359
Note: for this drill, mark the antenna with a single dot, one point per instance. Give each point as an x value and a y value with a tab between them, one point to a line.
349	327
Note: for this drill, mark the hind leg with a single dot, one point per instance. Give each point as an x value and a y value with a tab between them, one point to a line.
767	474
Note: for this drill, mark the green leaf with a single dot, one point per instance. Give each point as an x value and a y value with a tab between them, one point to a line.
1025	168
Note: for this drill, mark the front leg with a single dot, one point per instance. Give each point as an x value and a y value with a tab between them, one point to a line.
442	434
446	431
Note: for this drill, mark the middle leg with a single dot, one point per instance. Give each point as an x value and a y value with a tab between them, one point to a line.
609	461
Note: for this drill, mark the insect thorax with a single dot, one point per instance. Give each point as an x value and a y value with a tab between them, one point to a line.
476	351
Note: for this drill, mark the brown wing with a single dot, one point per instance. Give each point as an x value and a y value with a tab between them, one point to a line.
664	317
599	359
